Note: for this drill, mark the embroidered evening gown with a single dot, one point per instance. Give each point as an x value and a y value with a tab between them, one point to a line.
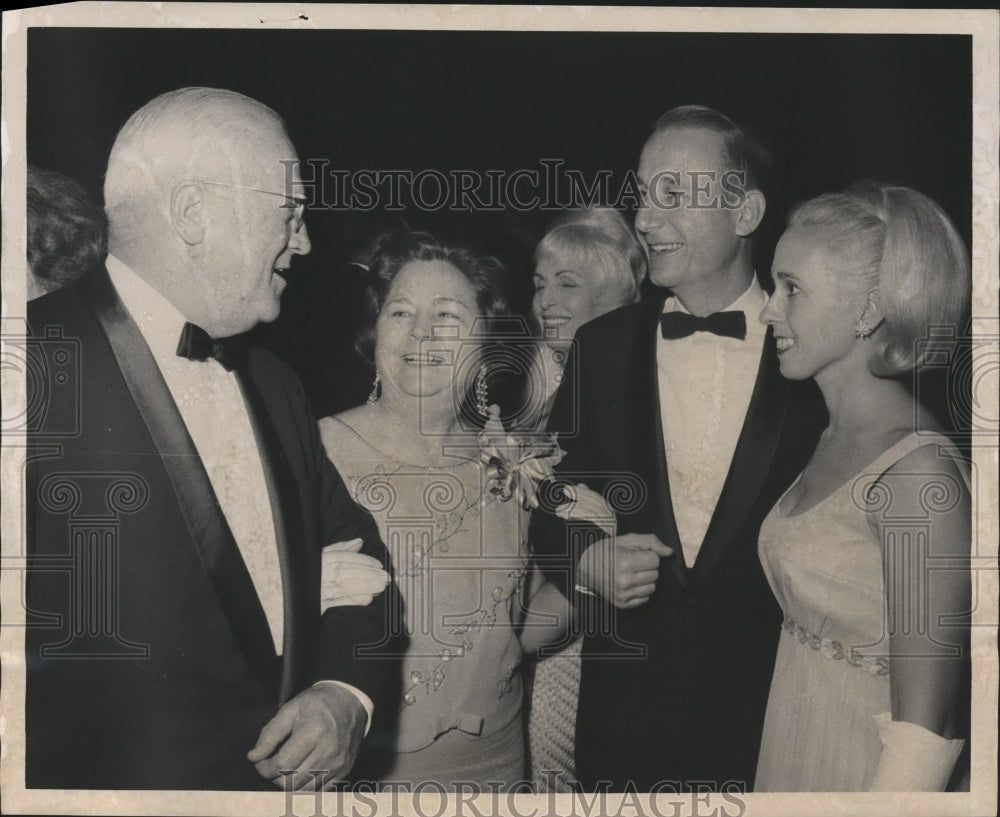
459	555
825	567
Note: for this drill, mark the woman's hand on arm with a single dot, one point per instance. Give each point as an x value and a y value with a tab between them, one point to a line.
349	577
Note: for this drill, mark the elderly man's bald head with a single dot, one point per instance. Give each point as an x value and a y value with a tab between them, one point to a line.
200	203
189	133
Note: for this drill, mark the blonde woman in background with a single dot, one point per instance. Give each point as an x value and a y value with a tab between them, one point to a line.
587	264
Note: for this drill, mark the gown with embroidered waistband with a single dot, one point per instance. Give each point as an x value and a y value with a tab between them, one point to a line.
825	568
459	554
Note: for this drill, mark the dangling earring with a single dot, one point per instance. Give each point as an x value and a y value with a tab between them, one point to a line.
864	328
376	390
481	406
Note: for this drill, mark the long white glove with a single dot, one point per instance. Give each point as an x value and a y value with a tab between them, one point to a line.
913	758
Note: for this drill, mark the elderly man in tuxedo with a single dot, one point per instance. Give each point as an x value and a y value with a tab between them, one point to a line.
679	399
180	498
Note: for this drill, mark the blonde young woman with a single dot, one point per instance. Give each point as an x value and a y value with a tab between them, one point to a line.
870	676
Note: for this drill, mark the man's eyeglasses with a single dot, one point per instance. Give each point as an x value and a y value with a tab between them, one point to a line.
297	204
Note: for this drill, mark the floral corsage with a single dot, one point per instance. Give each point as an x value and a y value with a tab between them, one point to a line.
516	464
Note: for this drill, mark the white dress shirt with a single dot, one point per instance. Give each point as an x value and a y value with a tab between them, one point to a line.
212	407
705	383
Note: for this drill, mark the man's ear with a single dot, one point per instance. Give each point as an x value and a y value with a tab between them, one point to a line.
751	213
187	212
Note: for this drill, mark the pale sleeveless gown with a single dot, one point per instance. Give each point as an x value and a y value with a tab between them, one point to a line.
825	567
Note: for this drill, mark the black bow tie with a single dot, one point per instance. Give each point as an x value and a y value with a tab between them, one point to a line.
674	325
195	344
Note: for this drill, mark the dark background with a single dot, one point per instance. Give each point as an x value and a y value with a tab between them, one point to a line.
833	108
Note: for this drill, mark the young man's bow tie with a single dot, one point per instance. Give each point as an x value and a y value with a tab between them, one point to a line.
674	325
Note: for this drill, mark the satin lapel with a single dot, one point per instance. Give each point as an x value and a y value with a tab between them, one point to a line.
289	531
217	549
751	460
646	427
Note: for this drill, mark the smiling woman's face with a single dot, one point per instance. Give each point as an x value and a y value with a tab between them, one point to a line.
815	305
422	331
572	288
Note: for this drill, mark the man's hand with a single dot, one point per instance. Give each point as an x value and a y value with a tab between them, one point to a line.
319	729
623	569
348	576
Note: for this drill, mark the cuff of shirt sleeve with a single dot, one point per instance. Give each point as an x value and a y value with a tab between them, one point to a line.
582	588
363	699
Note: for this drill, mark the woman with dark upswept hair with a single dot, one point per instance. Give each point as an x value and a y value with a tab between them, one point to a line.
67	232
412	456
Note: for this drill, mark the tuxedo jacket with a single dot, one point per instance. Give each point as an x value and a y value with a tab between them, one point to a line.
672	692
150	664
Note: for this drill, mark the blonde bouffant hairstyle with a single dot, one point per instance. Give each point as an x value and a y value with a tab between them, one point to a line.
909	255
602	234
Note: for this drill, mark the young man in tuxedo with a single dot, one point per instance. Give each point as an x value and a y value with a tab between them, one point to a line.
680	398
175	639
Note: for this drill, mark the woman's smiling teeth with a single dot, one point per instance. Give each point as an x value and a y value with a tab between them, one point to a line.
670	246
784	343
426	359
